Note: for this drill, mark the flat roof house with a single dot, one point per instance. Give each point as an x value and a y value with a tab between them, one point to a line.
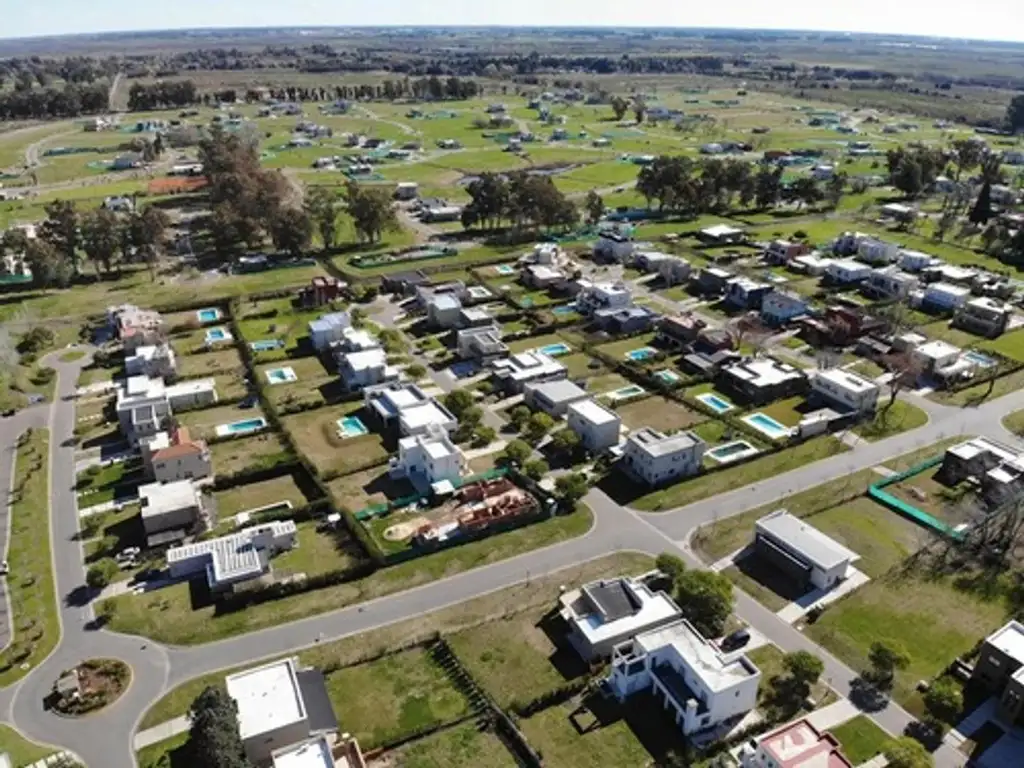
780	307
744	293
175	506
328	329
655	458
795	745
597	296
553	397
999	670
623	320
428	458
874	251
847	271
699	685
944	297
604	613
443	310
713	280
935	355
280	706
983	316
515	372
613	244
153	360
721	234
364	368
763	380
407	408
678	331
238	557
845	391
674	270
542	276
480	343
803	552
598	427
889	283
404	283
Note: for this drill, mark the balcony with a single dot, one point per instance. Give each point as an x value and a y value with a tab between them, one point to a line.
673	681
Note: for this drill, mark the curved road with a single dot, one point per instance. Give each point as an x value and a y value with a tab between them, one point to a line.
104	740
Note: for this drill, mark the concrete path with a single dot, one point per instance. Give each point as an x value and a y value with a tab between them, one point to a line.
816	598
161	732
833	715
878	761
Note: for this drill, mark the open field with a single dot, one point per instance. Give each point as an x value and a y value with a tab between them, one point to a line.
316	435
262	450
860	739
464	746
658	412
250	496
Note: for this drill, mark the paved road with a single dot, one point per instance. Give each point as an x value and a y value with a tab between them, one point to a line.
105	739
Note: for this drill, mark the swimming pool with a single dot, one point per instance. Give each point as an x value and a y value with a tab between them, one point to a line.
281	375
554	350
564	309
208	315
738	449
215	335
505	269
641	354
982	361
242	427
767	425
715	403
667	376
631	391
265	345
352	426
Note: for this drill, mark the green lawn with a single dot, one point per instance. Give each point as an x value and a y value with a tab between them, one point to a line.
30	583
252	495
463	746
982	392
316	436
860	739
1010	345
712	484
265	449
20	750
168	616
168	753
901	416
1014	422
393	697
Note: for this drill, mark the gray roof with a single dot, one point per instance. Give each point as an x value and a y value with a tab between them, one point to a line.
805	540
316	700
558	391
657	443
611	598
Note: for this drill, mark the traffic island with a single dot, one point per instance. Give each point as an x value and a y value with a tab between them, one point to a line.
89	687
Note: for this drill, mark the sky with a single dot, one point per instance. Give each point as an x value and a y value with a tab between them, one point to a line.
983	19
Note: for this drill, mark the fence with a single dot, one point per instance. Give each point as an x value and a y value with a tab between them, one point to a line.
911	512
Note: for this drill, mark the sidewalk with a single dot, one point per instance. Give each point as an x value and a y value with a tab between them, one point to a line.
160	732
833	715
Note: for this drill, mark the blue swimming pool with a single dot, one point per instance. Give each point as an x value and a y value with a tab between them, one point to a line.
738	449
217	334
641	354
667	376
266	345
352	426
281	375
631	391
554	350
208	315
767	425
715	403
505	269
564	309
242	427
982	361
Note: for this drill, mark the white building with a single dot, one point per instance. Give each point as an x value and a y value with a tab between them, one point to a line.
889	283
935	355
364	369
720	234
522	368
480	343
802	550
945	297
846	271
152	361
235	558
874	251
144	405
443	310
168	458
915	261
674	270
598	427
597	296
281	706
542	276
845	389
408	409
428	458
170	507
656	458
407	190
553	397
328	329
603	614
614	245
699	685
984	316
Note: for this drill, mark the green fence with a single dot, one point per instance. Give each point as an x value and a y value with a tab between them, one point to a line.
907	510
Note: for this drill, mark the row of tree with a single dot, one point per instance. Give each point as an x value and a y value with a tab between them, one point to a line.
526	201
162	95
71	100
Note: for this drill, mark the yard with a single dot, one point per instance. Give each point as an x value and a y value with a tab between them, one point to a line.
395	696
952	504
658	412
20	750
114	481
860	739
535	342
313	385
253	495
316	435
222	361
462	746
982	392
203	423
1009	345
263	450
370	486
901	416
318	551
618	349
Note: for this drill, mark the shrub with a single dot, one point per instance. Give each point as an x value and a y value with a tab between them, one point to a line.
100	574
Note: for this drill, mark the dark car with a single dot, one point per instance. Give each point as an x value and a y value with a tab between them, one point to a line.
737	639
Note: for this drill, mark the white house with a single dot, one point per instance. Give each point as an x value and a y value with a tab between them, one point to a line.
889	283
172	506
328	329
874	251
518	370
542	276
656	458
984	316
553	397
602	614
674	270
598	427
595	296
443	310
847	271
945	297
915	261
408	408
235	558
845	389
144	405
428	458
177	456
720	234
614	245
153	361
480	343
935	355
282	708
803	551
699	685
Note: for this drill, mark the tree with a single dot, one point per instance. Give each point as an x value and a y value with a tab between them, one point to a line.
706	600
61	230
1015	114
639	110
981	213
535	469
214	740
416	371
538	425
99	575
458	400
484	435
516	452
471	416
803	668
146	232
768	187
834	189
905	752
619	107
571	488
944	699
48	265
565	441
518	417
594	207
885	659
101	237
291	230
371	211
671	565
322	208
967	156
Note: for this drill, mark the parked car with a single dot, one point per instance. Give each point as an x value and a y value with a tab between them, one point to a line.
4	568
737	639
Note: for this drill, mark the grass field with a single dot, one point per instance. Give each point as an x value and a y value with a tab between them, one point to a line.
316	435
900	417
658	412
203	423
33	600
20	750
463	746
168	615
263	450
860	739
252	495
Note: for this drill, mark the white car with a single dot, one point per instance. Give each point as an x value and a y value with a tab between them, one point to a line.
4	568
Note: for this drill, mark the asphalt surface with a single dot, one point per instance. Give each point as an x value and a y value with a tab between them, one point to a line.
104	740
